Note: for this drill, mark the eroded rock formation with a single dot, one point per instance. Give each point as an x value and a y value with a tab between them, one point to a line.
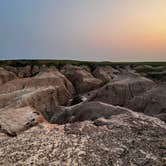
125	139
152	102
81	116
105	73
83	80
121	91
6	76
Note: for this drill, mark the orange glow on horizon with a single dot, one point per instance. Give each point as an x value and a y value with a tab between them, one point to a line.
147	36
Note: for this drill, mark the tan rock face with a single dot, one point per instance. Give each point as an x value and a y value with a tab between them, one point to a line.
29	71
6	76
21	72
105	73
82	80
15	120
43	93
121	91
11	99
54	80
63	81
45	100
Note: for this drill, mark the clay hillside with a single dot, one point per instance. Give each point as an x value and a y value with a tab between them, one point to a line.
70	113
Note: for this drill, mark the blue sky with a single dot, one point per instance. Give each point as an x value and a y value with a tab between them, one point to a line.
115	30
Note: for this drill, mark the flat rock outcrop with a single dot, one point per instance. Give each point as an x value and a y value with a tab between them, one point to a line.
82	80
74	117
15	120
124	139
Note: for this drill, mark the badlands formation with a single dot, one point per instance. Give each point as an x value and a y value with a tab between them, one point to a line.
79	116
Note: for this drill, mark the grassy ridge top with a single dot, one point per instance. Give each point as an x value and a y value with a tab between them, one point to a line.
60	63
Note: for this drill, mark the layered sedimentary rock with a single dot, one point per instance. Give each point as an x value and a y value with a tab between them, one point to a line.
6	76
152	102
105	73
44	121
82	79
121	91
21	72
41	93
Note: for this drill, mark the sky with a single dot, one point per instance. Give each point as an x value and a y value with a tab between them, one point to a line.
95	30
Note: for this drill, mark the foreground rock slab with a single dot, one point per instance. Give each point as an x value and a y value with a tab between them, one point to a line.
14	121
124	139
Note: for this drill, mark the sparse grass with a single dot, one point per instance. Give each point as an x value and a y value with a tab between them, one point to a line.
60	63
153	70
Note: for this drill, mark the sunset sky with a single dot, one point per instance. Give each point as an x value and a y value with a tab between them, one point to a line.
98	30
